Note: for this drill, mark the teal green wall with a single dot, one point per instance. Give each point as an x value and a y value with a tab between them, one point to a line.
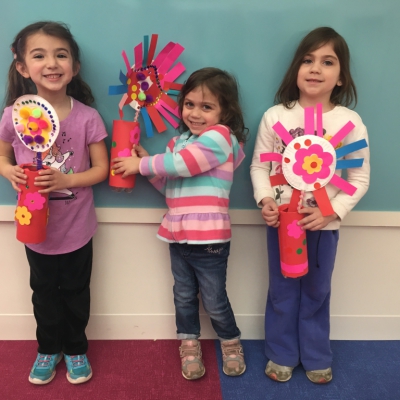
253	39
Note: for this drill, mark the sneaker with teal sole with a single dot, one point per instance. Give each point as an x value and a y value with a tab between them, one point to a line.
44	368
78	369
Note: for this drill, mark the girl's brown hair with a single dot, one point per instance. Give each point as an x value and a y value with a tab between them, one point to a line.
225	88
18	85
345	94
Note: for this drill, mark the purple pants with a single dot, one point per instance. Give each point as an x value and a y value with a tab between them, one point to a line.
297	315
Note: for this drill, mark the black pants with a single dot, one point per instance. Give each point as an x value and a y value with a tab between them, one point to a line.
61	299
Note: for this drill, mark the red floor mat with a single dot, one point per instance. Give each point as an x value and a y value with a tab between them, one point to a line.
122	370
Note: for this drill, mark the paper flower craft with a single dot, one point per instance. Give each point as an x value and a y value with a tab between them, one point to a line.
146	87
308	164
147	84
37	125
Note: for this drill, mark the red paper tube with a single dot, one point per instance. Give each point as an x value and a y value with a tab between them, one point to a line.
292	243
124	135
32	208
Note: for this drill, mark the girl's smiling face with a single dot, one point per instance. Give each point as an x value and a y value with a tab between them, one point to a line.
318	75
49	63
201	110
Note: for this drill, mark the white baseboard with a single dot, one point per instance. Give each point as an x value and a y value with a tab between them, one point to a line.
153	327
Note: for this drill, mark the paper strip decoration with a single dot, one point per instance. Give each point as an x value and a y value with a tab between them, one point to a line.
350	148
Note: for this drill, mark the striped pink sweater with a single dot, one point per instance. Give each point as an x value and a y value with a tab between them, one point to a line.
195	175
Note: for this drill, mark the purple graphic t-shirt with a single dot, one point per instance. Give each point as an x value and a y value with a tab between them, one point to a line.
72	219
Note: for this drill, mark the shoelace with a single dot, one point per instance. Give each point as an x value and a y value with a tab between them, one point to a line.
232	349
187	351
44	360
77	361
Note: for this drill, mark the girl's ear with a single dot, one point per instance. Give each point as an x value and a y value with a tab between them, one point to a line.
77	68
21	68
339	83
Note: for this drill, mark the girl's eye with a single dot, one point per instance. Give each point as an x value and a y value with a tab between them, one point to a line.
62	56
188	104
329	63
206	107
37	56
307	61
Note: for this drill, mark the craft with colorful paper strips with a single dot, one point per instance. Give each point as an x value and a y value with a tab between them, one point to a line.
308	164
36	124
146	87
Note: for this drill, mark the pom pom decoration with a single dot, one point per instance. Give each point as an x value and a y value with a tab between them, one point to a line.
37	126
146	87
308	164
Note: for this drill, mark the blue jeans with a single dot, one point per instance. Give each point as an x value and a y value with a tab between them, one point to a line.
297	315
201	267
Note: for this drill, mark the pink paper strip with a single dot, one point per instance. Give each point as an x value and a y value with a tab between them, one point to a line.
282	132
175	72
264	157
163	53
320	129
174	111
340	183
123	101
138	50
125	57
173	55
167	116
309	121
342	134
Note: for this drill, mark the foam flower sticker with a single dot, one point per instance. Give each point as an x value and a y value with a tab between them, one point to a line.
294	230
124	153
23	216
312	163
34	201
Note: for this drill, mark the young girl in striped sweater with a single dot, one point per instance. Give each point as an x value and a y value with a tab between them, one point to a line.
195	174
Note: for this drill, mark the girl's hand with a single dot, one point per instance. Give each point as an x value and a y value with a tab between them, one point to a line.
127	165
314	221
15	174
140	151
270	212
53	178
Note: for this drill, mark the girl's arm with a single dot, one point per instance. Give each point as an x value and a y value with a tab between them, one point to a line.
8	169
210	150
260	171
54	179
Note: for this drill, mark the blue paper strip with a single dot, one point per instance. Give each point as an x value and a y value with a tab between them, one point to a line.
121	89
147	122
349	148
122	78
173	92
352	163
145	49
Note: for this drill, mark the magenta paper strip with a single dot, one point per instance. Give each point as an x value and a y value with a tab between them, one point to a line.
138	50
309	121
264	157
342	134
320	130
165	114
125	57
282	132
174	111
163	53
172	57
175	72
340	183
